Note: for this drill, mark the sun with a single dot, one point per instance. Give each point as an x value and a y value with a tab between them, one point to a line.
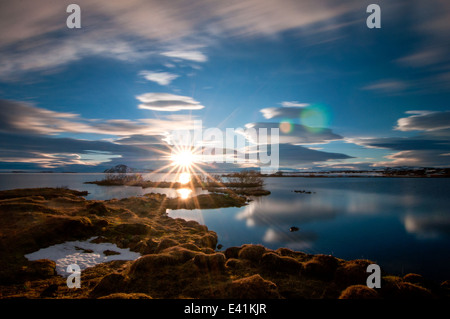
183	159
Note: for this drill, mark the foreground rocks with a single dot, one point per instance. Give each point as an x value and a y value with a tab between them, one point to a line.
179	258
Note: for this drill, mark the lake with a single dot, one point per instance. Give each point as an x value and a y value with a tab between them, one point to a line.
403	224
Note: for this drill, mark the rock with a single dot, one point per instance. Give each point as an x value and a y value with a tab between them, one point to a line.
40	269
232	252
445	284
275	263
214	262
353	272
321	267
415	279
252	252
127	296
180	253
151	264
208	240
98	208
109	284
253	287
110	252
291	253
393	287
50	291
133	229
359	292
166	243
235	264
190	246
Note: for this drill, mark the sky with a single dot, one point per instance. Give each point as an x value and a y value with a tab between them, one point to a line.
343	96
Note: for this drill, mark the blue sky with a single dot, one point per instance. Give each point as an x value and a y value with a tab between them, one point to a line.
88	99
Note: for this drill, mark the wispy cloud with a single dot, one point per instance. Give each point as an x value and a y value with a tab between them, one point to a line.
297	133
167	102
162	78
195	56
24	118
424	121
387	86
293	104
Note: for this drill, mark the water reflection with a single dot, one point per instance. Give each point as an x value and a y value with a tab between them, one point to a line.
184	192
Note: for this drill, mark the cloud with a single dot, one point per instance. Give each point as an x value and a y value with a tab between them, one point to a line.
34	36
162	78
428	148
195	56
289	110
424	121
296	133
52	152
422	58
387	86
167	102
24	118
293	104
427	226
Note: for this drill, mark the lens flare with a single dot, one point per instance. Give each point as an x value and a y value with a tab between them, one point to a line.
286	127
315	118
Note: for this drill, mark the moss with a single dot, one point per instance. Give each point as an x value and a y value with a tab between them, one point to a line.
212	262
253	287
109	284
252	252
321	266
127	296
359	292
353	272
272	262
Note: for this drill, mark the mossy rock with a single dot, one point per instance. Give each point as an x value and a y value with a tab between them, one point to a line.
359	292
133	229
272	262
253	287
321	267
213	262
252	252
127	296
353	272
113	283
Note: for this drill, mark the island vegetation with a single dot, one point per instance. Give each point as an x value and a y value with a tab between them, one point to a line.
247	182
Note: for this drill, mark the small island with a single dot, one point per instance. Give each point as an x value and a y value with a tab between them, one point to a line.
246	183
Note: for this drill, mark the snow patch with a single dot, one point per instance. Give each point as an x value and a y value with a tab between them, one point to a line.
83	253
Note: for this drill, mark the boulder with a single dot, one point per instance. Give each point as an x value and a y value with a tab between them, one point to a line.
353	272
109	284
321	267
253	287
213	262
273	263
252	252
359	292
133	229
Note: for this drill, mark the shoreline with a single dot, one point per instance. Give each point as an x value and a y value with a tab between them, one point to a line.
179	258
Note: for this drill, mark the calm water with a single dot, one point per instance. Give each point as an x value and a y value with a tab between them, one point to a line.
403	224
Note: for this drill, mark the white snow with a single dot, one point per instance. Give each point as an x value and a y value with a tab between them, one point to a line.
66	254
